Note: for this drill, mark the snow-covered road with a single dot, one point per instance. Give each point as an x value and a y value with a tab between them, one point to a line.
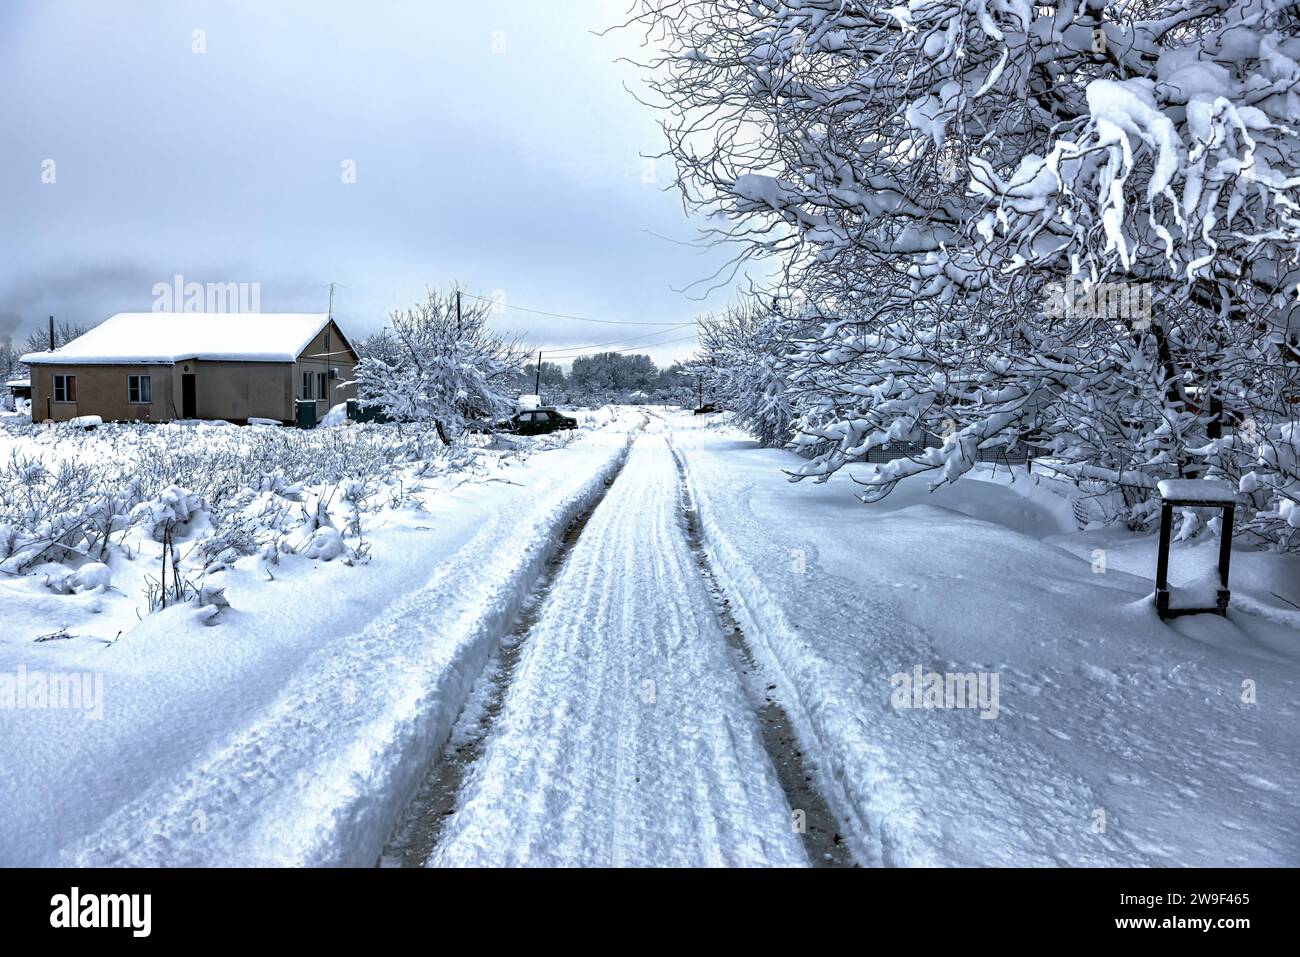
626	736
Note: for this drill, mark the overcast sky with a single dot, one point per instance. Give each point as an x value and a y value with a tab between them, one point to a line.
492	141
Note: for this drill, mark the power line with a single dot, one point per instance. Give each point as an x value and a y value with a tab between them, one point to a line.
652	345
561	315
637	348
620	342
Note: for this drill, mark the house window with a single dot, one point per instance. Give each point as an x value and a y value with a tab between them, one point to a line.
306	385
65	388
139	389
320	382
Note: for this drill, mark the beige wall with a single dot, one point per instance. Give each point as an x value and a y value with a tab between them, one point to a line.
235	391
327	351
101	390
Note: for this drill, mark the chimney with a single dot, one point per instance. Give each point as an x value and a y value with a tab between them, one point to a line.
52	334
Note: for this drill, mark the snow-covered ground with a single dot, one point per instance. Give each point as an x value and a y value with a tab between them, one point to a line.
1118	739
289	731
297	728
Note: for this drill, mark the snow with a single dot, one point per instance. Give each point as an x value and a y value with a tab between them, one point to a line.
337	415
1119	740
143	338
92	575
292	730
626	738
289	714
1197	490
173	507
85	422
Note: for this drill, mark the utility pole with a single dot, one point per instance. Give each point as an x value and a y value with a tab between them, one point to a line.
537	386
458	313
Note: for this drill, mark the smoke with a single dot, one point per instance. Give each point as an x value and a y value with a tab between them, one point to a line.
8	326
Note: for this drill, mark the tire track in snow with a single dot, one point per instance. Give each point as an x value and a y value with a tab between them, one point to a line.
625	735
820	831
421	823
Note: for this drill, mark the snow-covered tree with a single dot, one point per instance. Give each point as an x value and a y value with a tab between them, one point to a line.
551	378
741	359
612	371
1075	222
433	365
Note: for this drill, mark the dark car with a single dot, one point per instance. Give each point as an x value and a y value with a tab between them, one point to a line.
536	422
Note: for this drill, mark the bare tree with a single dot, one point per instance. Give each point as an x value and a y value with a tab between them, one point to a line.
64	332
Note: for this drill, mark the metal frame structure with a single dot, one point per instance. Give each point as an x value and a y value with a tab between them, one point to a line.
1162	562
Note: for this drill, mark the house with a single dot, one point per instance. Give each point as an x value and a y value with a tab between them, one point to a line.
159	366
19	388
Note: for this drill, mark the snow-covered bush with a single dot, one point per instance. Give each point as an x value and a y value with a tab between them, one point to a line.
325	544
71	499
173	509
66	513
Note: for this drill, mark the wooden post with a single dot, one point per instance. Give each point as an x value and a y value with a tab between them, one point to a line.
1162	561
1225	556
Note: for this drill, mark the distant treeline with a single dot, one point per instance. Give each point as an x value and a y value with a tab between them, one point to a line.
610	376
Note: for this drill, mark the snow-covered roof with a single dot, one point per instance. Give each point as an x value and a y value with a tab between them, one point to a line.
139	338
19	384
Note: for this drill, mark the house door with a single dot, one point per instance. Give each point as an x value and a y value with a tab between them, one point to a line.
189	398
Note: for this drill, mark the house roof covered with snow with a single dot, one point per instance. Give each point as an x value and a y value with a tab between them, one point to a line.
147	338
